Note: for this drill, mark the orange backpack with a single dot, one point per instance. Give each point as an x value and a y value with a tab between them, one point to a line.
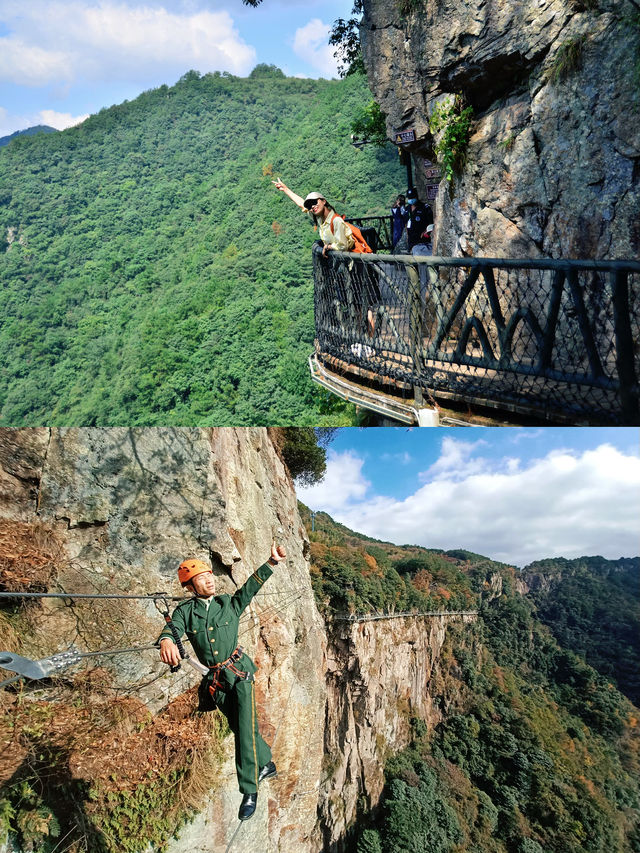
361	244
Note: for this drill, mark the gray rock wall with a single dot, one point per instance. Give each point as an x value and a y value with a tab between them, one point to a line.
553	166
127	505
379	675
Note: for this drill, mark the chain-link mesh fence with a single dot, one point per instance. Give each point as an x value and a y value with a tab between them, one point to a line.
555	338
376	230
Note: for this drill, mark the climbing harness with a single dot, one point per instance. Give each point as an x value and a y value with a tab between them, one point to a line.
218	669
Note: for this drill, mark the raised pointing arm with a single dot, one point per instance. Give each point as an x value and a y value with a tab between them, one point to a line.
280	185
251	586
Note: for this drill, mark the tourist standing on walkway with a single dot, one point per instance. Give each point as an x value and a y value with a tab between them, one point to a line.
400	216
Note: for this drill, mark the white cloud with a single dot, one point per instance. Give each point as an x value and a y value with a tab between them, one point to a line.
10	122
520	434
65	40
311	43
342	483
61	121
456	460
565	504
401	458
29	65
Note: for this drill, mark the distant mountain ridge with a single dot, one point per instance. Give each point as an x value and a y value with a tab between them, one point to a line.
29	131
592	606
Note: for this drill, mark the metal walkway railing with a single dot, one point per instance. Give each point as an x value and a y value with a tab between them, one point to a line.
371	617
552	338
382	226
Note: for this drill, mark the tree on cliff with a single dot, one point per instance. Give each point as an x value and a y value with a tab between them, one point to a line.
345	36
304	450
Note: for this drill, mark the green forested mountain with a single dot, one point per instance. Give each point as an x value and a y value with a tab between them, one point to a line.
536	750
149	271
354	573
592	606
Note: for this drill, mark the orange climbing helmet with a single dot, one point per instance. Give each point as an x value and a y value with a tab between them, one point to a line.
188	569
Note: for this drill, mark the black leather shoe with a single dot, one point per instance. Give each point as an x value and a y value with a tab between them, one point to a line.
267	772
247	806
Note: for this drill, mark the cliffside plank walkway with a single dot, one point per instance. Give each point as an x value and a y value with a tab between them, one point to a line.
371	617
553	339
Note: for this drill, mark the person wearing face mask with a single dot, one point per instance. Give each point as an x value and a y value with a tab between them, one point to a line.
210	622
399	217
421	215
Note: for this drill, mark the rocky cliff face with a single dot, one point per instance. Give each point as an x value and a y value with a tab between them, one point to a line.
554	160
380	674
118	509
125	506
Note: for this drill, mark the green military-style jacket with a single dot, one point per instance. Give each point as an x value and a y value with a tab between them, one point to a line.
213	631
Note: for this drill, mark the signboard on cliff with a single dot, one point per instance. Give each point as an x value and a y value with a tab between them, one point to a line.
433	177
402	137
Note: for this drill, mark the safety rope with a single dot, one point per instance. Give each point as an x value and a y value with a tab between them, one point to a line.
275	737
150	596
280	606
160	599
237	829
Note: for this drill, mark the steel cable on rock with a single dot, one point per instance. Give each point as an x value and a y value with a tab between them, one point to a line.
75	657
150	596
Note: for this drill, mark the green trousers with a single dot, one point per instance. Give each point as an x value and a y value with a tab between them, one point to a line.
252	753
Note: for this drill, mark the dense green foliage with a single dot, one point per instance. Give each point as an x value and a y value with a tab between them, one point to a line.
453	122
592	606
536	752
370	124
151	273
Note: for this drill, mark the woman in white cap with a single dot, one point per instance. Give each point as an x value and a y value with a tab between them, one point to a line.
336	234
334	231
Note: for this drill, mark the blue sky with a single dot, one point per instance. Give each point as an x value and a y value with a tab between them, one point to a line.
513	494
61	60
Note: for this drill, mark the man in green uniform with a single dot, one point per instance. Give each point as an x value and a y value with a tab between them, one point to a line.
211	624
